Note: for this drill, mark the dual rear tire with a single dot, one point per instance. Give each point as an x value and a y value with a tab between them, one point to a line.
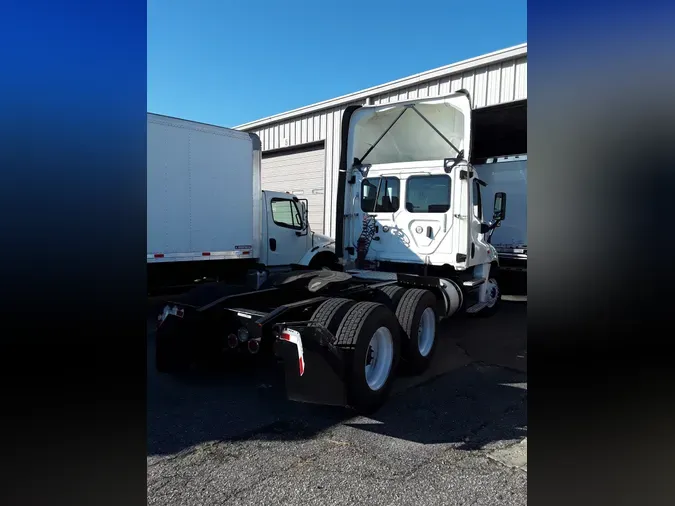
374	336
368	334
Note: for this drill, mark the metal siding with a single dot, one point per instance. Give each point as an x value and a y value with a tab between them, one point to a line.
303	174
489	85
521	79
492	95
479	88
507	81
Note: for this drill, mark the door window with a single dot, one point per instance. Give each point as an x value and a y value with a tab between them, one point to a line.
286	214
380	195
428	194
477	204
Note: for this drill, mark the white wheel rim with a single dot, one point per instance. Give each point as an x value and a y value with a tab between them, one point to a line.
379	358
426	332
492	292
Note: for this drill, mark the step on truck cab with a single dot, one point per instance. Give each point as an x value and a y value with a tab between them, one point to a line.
413	246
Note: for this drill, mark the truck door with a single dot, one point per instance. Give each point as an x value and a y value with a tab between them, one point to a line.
286	232
463	214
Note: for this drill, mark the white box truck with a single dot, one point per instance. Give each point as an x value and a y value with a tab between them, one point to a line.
207	216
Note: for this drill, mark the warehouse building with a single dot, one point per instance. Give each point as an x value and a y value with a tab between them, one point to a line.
301	148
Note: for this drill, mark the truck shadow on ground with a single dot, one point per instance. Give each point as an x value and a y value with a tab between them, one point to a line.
468	407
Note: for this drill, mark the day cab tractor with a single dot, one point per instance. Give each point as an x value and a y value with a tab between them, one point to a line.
414	249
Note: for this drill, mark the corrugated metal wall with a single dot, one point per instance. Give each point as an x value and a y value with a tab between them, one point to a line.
488	85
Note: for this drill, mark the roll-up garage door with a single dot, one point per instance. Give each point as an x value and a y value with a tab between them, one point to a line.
300	172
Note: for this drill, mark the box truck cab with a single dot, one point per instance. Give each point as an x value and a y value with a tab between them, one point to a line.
287	238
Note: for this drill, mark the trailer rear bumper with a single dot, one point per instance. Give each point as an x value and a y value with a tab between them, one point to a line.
314	369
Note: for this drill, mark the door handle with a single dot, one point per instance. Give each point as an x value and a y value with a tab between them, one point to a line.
273	244
430	232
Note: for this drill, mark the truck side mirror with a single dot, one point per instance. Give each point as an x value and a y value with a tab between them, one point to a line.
303	218
499	212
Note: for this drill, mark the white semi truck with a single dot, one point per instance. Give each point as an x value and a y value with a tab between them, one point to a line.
413	246
207	216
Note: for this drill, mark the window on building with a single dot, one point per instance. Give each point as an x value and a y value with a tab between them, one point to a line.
380	195
428	194
286	214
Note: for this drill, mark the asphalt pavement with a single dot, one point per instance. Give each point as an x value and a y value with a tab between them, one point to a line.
457	435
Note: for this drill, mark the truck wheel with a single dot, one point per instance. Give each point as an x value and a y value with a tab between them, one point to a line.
494	297
369	333
331	312
390	296
416	312
324	261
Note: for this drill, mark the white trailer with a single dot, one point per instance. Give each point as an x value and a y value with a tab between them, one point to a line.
508	174
207	216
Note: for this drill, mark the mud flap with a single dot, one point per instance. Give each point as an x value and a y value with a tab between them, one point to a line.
314	369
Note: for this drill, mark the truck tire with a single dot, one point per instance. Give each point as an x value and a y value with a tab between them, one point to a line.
331	312
416	313
493	306
325	260
369	335
390	296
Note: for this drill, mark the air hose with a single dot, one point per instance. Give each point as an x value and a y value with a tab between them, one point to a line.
363	243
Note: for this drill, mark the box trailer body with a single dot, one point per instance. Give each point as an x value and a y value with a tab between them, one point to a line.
508	174
203	192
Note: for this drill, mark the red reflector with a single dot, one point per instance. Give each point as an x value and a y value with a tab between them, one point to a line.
246	253
159	255
206	254
301	366
286	336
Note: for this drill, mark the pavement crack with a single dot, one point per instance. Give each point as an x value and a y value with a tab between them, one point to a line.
471	444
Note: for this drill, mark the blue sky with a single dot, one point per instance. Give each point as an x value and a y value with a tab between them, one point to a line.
228	62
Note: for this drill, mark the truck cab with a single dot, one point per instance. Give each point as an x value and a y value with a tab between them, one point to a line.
411	201
287	238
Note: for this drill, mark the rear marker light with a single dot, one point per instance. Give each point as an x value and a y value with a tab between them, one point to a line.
206	254
159	255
